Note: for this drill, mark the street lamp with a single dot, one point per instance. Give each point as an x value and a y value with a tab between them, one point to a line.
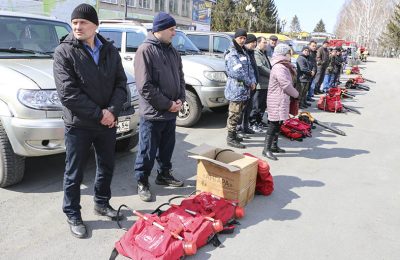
251	10
283	22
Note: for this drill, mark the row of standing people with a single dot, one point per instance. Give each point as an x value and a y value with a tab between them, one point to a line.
255	85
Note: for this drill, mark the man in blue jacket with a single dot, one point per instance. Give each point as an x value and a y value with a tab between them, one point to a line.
161	87
240	81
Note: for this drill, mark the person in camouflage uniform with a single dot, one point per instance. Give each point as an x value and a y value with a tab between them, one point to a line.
240	81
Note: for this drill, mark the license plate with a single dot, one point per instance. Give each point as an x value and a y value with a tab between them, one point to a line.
123	126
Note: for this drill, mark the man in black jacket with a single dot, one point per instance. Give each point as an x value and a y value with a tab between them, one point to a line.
312	58
161	87
322	63
304	72
91	84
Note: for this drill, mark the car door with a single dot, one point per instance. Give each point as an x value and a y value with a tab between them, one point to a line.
202	42
220	45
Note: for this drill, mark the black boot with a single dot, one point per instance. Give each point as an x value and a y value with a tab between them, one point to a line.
231	140
267	149
165	178
275	148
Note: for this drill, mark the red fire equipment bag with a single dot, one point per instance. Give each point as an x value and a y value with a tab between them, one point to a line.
295	129
330	103
265	181
143	241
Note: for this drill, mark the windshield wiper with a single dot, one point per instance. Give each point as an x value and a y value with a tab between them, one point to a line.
18	50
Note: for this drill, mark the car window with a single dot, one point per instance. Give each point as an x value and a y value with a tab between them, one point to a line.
183	44
220	44
113	36
133	40
31	34
201	41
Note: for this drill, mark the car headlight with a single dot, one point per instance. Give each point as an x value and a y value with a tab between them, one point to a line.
40	99
133	91
219	76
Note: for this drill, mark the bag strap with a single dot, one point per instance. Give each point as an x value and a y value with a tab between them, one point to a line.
114	254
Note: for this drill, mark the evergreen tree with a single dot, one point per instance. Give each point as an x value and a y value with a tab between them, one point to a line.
391	36
295	26
267	17
221	15
320	27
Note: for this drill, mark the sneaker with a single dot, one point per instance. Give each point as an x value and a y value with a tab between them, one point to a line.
166	178
258	129
143	190
107	211
77	228
248	131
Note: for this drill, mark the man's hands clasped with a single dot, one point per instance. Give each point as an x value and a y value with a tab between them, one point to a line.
108	119
176	106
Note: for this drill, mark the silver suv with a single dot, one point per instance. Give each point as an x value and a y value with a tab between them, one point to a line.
211	43
30	110
205	76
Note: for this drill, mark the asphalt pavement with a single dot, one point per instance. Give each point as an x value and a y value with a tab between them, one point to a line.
336	197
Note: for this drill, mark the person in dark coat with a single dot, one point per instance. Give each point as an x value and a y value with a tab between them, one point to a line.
312	58
322	63
304	73
161	86
260	97
249	46
91	85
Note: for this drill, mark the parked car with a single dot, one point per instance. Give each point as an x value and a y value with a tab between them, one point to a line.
211	43
205	76
30	109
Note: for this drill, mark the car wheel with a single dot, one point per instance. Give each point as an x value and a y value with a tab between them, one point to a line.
191	110
12	166
127	144
219	110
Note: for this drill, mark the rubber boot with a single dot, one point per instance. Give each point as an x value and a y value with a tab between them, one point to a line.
232	141
275	148
267	149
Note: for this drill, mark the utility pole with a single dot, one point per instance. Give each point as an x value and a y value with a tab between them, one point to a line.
126	9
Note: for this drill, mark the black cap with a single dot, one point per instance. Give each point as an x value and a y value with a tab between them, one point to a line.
273	38
85	11
250	38
240	32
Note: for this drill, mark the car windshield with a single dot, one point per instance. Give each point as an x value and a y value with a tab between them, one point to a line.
27	36
183	44
298	46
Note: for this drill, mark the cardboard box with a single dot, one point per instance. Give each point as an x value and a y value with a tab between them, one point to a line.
225	173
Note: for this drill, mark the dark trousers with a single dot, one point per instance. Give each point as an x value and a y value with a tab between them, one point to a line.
244	117
156	141
319	77
303	89
274	127
78	143
259	106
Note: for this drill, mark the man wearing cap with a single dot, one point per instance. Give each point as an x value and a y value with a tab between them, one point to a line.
91	84
249	46
273	40
240	81
312	58
161	87
304	73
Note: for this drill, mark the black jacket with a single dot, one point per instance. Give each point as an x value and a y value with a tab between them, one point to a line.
253	64
322	56
85	88
304	69
159	79
312	58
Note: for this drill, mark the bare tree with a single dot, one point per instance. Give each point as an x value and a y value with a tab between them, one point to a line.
364	20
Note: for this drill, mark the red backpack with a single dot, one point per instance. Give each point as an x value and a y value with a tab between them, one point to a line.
330	103
295	129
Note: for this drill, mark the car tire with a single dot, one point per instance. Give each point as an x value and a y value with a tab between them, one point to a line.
12	166
219	110
127	144
191	110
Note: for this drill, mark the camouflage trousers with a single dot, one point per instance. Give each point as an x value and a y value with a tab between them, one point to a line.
235	110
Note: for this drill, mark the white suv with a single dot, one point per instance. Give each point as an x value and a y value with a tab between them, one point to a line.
30	110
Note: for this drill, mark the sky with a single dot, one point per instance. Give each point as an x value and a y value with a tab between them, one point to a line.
310	12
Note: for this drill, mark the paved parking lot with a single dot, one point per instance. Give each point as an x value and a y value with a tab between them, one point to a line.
336	197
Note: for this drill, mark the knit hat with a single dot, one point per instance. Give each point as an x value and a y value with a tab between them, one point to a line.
250	38
163	21
273	38
85	11
281	49
240	32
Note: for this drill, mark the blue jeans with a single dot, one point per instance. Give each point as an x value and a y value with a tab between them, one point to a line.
78	143
312	88
328	82
156	141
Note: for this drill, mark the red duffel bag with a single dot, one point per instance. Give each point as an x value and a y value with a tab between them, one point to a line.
265	181
330	103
